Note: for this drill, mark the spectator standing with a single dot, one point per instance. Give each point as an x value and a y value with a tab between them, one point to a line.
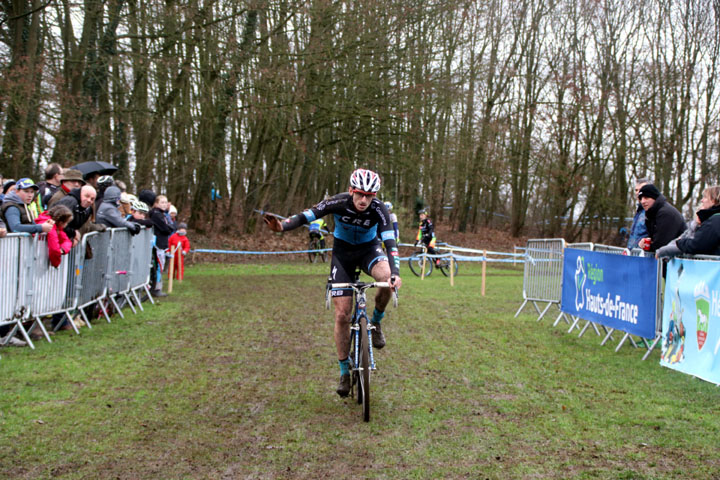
8	187
92	179
179	238
80	202
3	228
663	221
53	179
103	183
139	214
163	229
58	242
15	212
172	211
109	215
703	237
125	203
638	229
71	179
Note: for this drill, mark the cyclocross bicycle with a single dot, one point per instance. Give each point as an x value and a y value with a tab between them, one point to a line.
416	264
313	250
362	359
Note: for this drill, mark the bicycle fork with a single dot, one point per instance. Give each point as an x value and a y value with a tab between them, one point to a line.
362	312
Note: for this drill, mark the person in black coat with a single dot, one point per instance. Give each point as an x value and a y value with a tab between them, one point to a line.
663	221
705	237
80	202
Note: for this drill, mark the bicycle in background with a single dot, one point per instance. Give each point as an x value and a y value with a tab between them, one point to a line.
362	358
442	263
316	246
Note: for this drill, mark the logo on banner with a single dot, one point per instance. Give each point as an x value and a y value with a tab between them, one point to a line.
673	347
702	306
580	278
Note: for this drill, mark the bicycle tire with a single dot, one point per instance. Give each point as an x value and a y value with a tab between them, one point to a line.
312	256
415	263
354	377
445	268
323	255
365	366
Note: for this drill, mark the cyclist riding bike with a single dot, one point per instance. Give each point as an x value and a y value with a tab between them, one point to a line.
426	234
394	221
316	230
359	216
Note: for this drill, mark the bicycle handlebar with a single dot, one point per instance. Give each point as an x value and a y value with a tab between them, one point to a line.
360	285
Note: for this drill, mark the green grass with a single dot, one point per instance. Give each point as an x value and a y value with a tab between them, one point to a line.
233	376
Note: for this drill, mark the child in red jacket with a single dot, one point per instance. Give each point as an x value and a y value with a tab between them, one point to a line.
58	242
179	238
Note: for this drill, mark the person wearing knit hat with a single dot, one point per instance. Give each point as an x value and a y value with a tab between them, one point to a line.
663	221
649	191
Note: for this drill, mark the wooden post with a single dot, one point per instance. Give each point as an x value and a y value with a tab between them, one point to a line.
422	272
181	273
171	270
452	269
484	264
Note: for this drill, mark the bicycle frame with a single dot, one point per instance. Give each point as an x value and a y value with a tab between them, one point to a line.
360	311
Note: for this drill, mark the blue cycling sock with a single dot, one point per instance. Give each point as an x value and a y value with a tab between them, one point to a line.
344	366
377	317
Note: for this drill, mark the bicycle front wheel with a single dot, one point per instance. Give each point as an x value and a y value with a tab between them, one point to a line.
312	256
365	368
416	263
445	267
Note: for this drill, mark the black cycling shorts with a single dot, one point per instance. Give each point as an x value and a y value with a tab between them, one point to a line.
347	258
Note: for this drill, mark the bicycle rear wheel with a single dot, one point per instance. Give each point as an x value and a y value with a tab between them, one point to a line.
365	369
445	267
415	262
312	256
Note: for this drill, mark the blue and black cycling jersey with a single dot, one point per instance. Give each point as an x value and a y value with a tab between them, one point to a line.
353	228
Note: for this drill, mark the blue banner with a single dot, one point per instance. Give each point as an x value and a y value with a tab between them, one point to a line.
617	291
691	318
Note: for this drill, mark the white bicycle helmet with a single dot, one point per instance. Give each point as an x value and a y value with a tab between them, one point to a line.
365	181
388	205
139	206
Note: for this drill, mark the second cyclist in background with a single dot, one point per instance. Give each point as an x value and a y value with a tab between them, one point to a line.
316	231
426	234
393	221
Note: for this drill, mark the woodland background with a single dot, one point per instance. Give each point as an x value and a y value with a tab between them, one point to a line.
526	115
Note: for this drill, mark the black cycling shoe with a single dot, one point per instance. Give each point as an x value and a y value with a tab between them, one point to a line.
343	388
378	339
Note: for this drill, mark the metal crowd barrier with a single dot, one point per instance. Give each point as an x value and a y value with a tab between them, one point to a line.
542	278
93	285
14	269
139	274
120	262
31	288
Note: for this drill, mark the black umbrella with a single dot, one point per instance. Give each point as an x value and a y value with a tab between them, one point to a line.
99	167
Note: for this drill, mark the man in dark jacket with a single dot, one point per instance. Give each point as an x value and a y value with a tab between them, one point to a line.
80	202
663	221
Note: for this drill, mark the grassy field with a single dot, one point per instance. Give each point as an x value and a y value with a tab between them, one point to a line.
233	376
